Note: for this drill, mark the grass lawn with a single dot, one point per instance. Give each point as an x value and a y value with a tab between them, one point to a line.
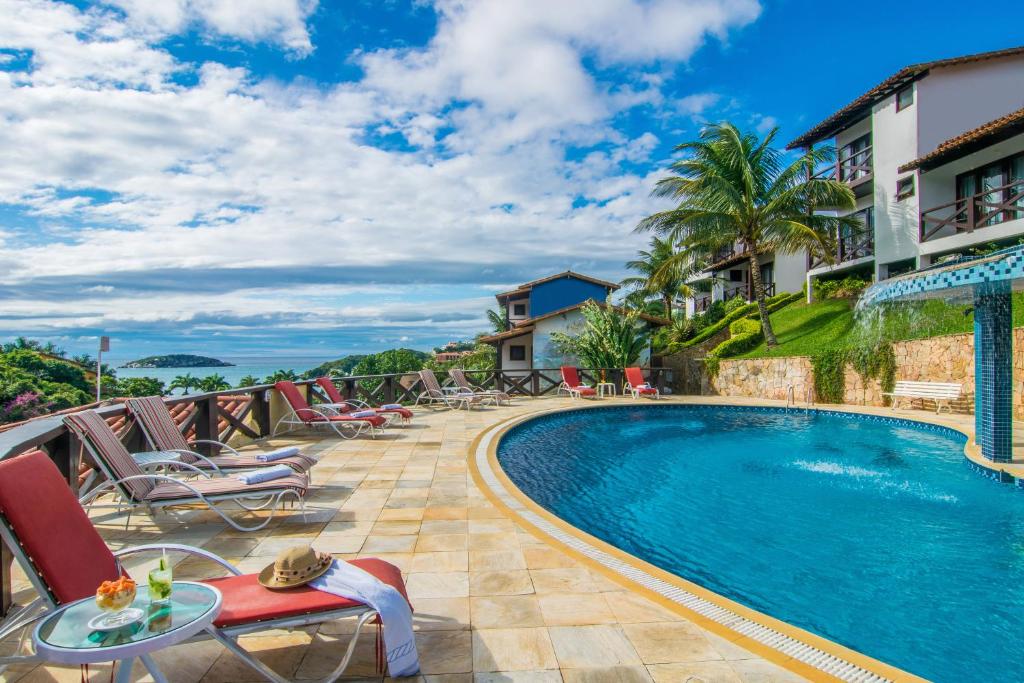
803	329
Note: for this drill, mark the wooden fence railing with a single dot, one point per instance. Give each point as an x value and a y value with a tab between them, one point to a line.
248	411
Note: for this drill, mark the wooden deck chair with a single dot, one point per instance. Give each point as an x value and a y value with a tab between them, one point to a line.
150	492
66	559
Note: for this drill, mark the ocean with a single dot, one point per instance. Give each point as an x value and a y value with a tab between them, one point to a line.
258	366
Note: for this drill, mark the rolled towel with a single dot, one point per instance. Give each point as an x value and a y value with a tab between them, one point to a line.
363	413
391	406
279	454
265	474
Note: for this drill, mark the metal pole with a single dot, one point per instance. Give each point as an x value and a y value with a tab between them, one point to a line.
104	346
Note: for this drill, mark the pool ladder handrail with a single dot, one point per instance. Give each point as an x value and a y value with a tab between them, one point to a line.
790	397
809	398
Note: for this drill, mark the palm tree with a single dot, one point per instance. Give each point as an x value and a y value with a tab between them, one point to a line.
214	383
281	376
660	274
498	319
183	382
248	381
733	187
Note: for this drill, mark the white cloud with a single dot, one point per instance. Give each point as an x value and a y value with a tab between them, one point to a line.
254	175
697	103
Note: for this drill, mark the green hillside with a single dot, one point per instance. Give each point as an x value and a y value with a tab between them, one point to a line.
803	329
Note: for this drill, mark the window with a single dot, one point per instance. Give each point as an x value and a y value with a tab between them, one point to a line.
519	310
855	159
904	188
517	352
905	98
735	276
992	187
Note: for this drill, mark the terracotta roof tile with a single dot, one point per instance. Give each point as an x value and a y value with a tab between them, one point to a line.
855	110
971	141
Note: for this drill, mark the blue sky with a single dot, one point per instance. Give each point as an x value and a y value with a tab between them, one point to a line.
287	176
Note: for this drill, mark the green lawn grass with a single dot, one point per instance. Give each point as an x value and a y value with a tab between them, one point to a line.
804	329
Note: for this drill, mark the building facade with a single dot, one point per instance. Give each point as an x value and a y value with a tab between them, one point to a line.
935	157
539	308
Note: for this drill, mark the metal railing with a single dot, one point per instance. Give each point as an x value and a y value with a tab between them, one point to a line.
980	210
246	413
853	169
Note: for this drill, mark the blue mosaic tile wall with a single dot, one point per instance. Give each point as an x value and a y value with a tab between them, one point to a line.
993	367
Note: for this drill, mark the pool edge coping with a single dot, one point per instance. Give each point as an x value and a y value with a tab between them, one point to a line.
483	454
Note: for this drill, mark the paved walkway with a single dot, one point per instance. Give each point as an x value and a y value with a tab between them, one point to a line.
493	603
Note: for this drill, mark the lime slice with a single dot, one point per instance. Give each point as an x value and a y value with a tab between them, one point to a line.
163	564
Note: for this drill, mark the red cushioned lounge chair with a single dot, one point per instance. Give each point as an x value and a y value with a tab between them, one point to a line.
638	386
347	405
302	415
138	489
66	560
571	384
157	425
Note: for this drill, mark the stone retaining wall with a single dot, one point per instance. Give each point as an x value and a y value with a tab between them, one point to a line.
948	358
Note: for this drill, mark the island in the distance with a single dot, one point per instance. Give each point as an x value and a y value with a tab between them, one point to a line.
177	360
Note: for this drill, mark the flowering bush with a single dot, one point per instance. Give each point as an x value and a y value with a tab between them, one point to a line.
24	406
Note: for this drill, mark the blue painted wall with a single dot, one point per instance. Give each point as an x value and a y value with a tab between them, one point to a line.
565	291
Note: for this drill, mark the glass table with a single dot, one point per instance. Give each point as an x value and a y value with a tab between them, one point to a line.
65	638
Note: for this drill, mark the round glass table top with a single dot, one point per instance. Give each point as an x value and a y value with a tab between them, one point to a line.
192	607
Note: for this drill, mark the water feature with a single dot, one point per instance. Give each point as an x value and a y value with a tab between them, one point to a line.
986	282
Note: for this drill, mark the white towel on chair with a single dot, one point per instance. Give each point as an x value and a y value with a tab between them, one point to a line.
349	581
265	474
279	454
363	413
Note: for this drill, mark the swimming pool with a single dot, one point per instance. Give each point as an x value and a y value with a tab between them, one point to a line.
870	532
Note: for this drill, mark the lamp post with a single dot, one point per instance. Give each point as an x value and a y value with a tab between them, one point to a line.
104	346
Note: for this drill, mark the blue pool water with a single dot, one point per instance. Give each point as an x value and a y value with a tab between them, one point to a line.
874	534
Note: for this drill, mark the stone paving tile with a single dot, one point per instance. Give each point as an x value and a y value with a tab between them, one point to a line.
493	603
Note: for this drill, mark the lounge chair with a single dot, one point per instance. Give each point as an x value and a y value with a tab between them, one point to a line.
149	491
66	559
571	384
347	405
432	393
459	377
157	425
302	415
638	386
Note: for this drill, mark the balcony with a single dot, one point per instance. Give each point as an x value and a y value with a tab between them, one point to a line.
849	247
855	168
984	209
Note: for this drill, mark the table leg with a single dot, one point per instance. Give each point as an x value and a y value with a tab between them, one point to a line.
154	670
124	670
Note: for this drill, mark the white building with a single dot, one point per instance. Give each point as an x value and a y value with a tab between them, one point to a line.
935	157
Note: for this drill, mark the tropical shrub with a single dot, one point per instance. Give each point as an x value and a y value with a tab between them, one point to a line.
734	303
24	406
846	288
609	337
140	386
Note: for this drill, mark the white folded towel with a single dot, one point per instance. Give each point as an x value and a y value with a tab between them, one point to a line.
265	474
279	454
349	581
363	413
391	406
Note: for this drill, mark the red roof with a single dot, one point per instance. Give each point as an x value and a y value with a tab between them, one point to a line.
856	110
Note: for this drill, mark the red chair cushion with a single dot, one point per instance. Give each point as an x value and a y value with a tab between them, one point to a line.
53	529
586	391
375	420
246	601
404	412
646	390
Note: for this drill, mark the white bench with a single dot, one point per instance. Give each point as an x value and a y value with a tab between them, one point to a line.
943	393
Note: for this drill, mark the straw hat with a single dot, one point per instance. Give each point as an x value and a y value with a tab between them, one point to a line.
295	567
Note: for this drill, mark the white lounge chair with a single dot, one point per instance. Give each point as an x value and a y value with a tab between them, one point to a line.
432	393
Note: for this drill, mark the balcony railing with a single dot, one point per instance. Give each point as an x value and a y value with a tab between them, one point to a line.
853	170
982	210
860	244
248	413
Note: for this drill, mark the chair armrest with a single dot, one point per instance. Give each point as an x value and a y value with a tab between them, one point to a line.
213	443
178	463
178	547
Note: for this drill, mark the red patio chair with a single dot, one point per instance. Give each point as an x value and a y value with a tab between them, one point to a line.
66	560
302	415
347	405
638	386
571	384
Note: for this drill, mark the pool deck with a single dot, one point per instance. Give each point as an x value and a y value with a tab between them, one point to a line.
494	602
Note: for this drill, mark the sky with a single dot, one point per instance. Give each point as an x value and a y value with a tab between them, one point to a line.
323	178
